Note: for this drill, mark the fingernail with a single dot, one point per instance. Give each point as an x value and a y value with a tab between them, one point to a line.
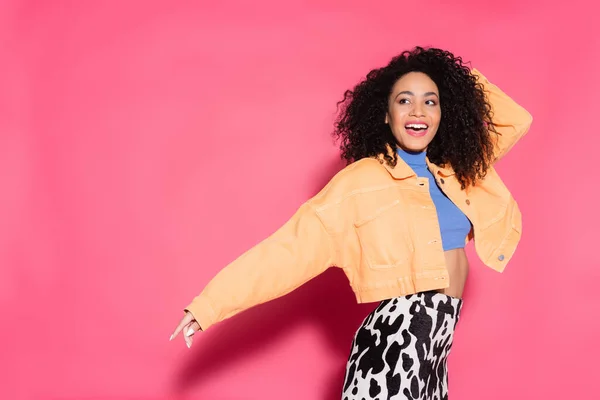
190	332
189	345
171	338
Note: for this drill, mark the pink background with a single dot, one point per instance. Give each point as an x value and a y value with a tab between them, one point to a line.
145	144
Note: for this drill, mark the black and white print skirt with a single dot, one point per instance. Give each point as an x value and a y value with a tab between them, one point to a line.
400	351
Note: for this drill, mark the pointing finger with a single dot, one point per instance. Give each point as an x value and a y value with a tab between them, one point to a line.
184	321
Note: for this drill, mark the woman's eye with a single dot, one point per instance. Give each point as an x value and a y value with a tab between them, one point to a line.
404	101
430	102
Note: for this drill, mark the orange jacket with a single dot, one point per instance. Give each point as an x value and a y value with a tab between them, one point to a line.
379	225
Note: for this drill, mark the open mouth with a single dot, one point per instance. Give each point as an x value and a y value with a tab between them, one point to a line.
416	129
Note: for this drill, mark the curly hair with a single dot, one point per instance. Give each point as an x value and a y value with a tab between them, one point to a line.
463	139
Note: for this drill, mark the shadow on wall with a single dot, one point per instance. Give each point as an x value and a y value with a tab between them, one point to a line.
326	301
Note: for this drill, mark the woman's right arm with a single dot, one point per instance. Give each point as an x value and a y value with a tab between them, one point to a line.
297	252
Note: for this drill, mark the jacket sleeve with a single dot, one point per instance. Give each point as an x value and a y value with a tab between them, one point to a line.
510	120
297	252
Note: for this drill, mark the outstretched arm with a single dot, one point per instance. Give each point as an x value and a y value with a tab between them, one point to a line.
297	252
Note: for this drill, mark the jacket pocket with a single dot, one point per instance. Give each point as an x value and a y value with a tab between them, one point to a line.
384	237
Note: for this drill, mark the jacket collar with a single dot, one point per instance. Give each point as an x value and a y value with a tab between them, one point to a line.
403	171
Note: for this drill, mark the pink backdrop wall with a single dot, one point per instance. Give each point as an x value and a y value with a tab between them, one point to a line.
145	144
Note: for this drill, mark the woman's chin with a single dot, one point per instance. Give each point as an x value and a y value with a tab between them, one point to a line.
413	143
414	147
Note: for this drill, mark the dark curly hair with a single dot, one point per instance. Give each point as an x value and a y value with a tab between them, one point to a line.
463	138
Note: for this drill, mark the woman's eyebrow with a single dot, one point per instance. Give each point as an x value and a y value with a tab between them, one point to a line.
408	92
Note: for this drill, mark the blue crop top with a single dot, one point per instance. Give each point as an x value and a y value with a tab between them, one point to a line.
454	225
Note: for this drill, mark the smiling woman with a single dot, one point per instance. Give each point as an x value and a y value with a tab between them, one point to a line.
417	133
414	111
422	85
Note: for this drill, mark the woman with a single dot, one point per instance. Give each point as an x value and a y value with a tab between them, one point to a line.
421	136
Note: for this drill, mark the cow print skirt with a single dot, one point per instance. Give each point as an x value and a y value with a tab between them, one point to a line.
400	351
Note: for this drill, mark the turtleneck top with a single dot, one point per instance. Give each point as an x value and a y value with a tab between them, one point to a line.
454	224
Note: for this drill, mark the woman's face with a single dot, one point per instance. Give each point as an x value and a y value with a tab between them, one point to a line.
414	111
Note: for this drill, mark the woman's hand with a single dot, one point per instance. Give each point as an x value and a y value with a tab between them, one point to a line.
189	326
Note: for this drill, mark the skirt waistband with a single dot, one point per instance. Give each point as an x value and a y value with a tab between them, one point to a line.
438	301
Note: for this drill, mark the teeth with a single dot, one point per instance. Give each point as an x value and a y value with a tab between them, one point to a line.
417	126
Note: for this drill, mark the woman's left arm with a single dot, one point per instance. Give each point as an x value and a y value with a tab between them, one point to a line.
510	120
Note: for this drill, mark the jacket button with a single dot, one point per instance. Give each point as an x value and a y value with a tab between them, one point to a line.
468	202
501	257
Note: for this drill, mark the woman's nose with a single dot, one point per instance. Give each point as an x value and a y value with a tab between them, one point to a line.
417	111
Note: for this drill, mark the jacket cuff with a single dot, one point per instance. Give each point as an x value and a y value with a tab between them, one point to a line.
202	311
